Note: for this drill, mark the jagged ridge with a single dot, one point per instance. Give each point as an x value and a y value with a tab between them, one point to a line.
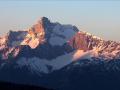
47	38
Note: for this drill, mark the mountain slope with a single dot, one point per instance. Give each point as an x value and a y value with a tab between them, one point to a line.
45	43
49	48
55	38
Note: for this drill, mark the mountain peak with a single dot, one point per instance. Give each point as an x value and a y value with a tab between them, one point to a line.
53	33
49	34
44	19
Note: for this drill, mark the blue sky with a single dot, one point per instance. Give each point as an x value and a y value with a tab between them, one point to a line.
101	18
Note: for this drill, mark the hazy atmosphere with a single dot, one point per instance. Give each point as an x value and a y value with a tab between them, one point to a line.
101	18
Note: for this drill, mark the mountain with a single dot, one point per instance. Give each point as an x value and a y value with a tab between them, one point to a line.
48	54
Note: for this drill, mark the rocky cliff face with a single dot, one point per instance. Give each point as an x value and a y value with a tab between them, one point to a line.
44	37
49	40
104	49
57	56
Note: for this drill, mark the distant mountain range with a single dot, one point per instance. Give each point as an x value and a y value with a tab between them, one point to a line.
48	53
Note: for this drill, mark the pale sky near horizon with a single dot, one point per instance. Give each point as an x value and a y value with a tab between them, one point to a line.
101	18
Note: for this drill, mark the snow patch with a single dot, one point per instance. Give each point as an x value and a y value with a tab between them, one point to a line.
57	41
80	54
41	65
15	43
34	43
2	41
34	64
61	34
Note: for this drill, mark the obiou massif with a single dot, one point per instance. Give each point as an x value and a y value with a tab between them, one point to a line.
48	47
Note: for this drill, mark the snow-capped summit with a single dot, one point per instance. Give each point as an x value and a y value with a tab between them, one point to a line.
49	47
56	45
44	30
43	33
50	34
